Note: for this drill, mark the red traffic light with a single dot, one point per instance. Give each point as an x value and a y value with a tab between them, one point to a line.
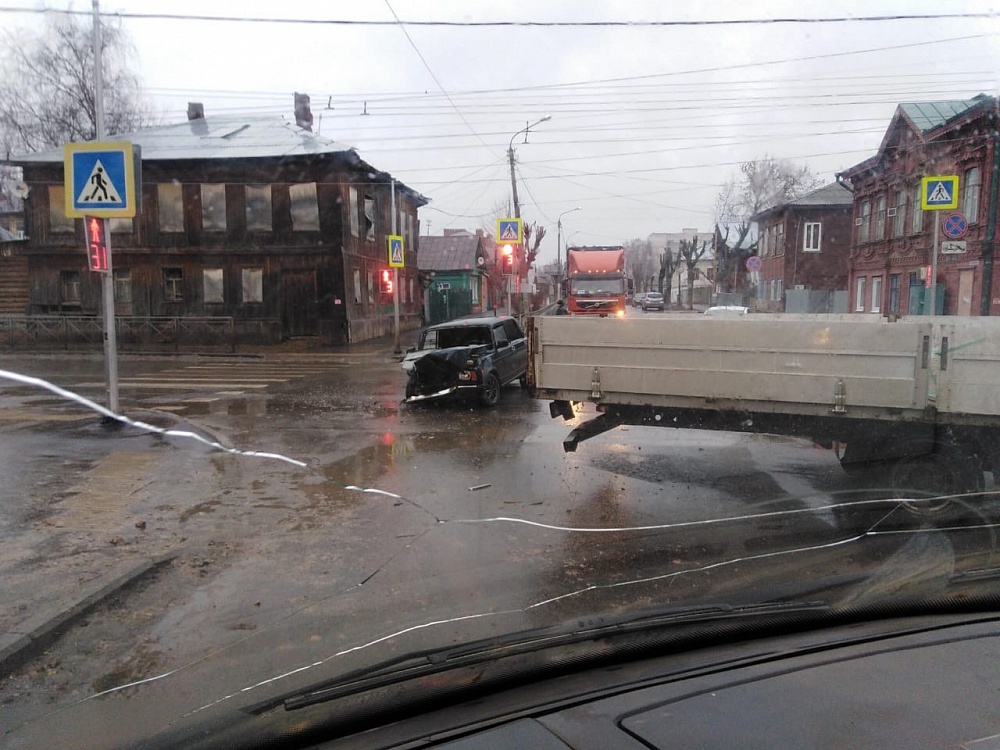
508	257
387	281
97	244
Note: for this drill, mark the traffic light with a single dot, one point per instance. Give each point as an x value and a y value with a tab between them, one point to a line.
97	244
508	258
387	281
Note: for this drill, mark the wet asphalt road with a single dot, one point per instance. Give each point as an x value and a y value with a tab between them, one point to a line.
279	576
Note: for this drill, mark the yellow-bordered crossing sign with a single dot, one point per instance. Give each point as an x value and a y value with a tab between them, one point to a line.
395	251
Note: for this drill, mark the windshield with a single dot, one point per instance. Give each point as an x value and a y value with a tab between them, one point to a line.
597	286
224	481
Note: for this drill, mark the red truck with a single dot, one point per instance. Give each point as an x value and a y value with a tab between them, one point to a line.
595	280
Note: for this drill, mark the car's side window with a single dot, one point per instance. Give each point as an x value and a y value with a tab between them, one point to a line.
513	330
500	336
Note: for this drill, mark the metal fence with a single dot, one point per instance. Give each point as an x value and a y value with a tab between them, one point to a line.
68	331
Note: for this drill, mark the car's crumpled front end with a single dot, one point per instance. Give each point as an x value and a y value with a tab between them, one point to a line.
444	372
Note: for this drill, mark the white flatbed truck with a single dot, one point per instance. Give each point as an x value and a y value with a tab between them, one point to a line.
919	396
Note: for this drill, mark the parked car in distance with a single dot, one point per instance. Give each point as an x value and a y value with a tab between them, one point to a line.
652	301
472	356
637	299
727	311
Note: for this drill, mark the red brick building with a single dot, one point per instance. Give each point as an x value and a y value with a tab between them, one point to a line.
804	244
893	237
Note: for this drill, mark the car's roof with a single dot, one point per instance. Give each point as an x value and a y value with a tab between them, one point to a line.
470	322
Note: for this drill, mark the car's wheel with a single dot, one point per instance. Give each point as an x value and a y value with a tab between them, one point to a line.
490	393
523	380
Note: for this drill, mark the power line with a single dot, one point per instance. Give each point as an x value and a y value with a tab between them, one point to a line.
517	24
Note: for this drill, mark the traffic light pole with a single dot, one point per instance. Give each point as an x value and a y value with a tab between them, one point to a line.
396	348
107	277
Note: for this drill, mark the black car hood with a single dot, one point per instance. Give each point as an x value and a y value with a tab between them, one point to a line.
447	361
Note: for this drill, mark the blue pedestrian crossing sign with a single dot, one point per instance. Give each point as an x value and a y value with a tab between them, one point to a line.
939	193
100	179
510	230
395	251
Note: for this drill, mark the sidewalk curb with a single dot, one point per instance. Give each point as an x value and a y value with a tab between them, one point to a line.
40	630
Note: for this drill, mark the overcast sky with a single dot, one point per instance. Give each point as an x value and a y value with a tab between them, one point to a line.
647	122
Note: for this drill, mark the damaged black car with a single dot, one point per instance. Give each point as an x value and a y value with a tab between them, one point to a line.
471	357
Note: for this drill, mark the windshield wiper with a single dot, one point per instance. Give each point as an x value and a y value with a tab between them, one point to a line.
424	663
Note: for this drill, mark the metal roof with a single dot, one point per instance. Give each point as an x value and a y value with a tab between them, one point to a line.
455	252
833	194
222	137
927	116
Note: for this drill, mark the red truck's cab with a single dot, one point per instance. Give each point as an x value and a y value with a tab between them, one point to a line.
595	281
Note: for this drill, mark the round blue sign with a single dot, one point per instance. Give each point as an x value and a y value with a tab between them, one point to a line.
955	225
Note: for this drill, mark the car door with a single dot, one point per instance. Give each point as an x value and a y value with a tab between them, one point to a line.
519	347
503	356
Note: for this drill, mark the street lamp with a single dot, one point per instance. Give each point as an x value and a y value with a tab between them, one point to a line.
559	249
510	158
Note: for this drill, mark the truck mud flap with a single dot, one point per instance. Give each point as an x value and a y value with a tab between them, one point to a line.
595	426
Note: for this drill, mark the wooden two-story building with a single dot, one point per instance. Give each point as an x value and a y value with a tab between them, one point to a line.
893	237
252	218
804	245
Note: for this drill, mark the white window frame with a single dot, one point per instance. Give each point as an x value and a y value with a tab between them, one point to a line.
122	284
973	184
916	212
876	295
357	287
864	231
371	288
859	293
70	288
173	286
370	211
899	220
812	237
880	206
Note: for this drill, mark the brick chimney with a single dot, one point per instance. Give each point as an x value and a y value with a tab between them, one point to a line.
196	111
303	114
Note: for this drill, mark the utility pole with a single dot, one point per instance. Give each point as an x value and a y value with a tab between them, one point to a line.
395	279
107	277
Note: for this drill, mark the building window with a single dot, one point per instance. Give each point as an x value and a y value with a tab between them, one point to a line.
357	287
916	213
69	287
120	226
213	208
371	288
779	239
59	222
864	231
253	285
123	285
369	218
173	284
170	206
474	285
258	199
970	198
899	220
352	210
880	218
894	293
305	208
412	298
859	294
213	282
876	294
811	239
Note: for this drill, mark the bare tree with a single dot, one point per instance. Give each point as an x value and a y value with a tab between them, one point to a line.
669	263
690	253
761	184
639	262
47	85
534	233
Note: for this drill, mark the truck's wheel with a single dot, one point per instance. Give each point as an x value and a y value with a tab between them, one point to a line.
490	394
933	480
523	381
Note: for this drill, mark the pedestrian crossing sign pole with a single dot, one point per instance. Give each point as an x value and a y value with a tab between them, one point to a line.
937	193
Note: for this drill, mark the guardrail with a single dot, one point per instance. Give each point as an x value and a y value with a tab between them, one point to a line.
30	331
